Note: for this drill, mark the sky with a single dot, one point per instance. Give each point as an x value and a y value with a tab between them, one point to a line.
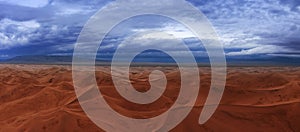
250	30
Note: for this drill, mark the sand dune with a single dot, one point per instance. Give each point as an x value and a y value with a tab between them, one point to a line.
42	98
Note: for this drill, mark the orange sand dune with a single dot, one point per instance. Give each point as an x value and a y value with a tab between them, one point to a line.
42	98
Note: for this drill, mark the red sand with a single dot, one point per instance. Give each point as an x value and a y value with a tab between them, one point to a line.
42	98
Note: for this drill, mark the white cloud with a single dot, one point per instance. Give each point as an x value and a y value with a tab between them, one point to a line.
4	56
155	38
265	49
255	26
63	47
176	30
154	35
15	33
286	55
150	39
27	3
73	10
25	25
252	24
179	31
10	40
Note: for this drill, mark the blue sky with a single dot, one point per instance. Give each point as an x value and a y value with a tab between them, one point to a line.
249	29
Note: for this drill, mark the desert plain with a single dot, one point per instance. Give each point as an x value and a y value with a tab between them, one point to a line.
42	98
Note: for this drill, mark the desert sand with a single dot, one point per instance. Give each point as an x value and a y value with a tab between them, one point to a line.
42	98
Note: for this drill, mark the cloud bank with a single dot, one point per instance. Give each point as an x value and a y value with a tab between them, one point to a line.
266	28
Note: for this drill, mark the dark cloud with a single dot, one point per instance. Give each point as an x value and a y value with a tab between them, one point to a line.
293	4
244	26
21	13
